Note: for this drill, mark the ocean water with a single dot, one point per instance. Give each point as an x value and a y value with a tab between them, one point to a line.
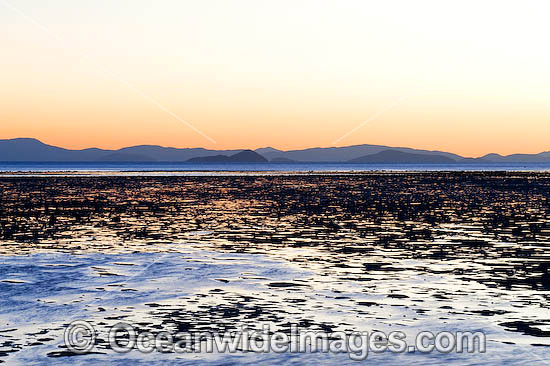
257	167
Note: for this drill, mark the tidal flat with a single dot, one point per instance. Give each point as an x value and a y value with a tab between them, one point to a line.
431	251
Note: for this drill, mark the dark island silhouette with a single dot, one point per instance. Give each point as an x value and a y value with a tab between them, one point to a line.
245	156
33	150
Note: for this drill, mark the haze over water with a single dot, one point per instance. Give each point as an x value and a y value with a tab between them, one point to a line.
261	167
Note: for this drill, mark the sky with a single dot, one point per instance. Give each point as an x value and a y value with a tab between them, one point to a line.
469	77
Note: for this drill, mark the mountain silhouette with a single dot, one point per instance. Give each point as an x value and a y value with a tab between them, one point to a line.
395	156
33	150
341	154
245	156
28	149
518	158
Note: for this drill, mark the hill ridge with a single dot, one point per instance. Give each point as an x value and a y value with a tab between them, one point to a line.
28	149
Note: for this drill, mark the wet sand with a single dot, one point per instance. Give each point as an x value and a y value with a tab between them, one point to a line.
443	250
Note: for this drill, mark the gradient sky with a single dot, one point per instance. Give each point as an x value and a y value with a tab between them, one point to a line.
473	76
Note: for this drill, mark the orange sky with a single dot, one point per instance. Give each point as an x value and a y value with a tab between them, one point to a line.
288	74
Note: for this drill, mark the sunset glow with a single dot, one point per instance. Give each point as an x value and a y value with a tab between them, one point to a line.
287	74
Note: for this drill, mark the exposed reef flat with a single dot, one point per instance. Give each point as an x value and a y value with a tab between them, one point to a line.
329	252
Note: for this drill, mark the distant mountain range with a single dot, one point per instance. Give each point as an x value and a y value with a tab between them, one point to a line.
401	157
32	150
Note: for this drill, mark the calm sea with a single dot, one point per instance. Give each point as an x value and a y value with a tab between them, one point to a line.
260	167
